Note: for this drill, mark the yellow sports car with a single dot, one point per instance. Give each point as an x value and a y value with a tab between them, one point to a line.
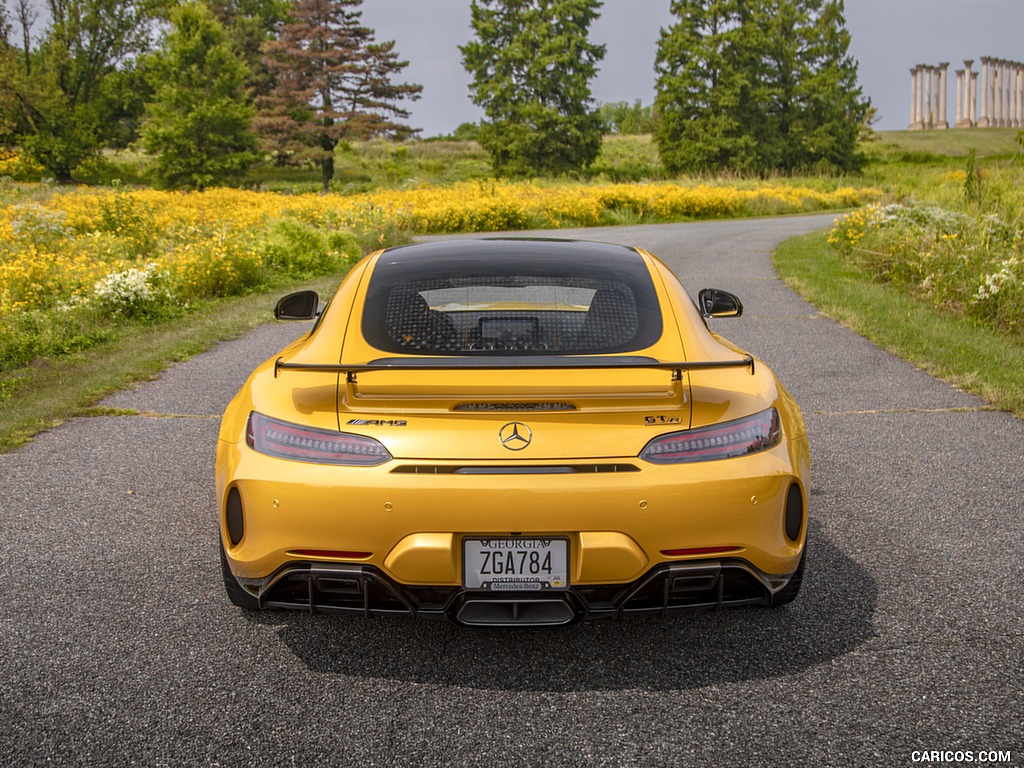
511	432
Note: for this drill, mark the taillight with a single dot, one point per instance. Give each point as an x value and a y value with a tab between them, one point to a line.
720	441
317	446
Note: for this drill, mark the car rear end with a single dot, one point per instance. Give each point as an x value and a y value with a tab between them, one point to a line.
510	435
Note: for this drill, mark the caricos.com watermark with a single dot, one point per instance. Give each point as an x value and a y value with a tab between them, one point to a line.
989	756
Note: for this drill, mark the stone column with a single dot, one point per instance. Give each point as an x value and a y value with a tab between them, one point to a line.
968	118
1014	85
942	85
926	116
1004	92
1012	82
1010	115
986	90
972	103
1018	95
996	114
1000	96
1011	94
924	108
959	99
915	122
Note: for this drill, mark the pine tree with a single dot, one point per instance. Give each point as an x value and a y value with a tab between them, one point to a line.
834	109
532	64
199	124
333	83
758	86
249	24
700	89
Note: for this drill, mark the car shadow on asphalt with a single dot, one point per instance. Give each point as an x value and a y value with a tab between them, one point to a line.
831	617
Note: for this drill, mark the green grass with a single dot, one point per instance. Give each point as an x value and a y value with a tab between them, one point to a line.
975	359
43	395
930	165
359	166
918	146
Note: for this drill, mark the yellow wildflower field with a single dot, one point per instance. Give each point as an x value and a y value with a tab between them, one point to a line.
59	246
127	251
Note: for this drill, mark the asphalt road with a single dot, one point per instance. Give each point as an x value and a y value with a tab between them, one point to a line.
118	646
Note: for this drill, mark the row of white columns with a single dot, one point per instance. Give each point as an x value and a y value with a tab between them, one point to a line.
999	103
1002	93
928	97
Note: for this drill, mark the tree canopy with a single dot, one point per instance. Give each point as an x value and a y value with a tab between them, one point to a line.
333	82
316	74
67	89
754	86
531	64
198	124
758	86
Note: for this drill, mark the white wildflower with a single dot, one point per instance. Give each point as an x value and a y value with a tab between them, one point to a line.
127	292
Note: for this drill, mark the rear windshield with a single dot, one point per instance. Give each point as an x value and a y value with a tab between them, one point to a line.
502	305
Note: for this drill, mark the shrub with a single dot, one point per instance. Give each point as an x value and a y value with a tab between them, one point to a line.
297	249
969	264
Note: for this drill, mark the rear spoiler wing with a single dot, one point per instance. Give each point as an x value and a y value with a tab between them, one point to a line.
512	363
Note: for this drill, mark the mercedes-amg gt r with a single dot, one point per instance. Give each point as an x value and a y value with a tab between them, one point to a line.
511	432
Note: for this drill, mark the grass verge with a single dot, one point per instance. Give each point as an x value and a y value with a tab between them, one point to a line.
977	360
48	392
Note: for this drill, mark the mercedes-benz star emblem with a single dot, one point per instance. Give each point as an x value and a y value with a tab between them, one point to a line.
515	435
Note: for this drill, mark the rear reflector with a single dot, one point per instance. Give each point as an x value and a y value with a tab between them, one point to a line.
341	554
697	551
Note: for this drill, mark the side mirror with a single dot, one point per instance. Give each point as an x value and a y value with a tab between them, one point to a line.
713	302
302	305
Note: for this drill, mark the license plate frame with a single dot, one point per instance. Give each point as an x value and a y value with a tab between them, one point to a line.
515	563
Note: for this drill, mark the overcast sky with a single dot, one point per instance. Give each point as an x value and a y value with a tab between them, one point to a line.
888	38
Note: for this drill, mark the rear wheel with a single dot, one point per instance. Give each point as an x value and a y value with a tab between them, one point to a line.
789	592
236	594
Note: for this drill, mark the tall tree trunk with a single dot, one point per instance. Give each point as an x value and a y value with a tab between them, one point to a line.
327	171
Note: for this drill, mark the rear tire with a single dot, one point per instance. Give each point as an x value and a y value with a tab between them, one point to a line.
789	592
236	594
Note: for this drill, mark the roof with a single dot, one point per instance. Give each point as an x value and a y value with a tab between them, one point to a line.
466	250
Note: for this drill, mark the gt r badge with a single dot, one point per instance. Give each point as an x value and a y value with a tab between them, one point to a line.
515	435
655	420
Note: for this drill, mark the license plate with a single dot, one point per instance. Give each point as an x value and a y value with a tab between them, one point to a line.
515	564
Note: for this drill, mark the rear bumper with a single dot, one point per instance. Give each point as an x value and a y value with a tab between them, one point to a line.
365	590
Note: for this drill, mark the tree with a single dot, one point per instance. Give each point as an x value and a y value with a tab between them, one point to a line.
758	86
700	89
27	16
623	118
531	65
8	72
249	24
63	90
199	122
333	83
833	107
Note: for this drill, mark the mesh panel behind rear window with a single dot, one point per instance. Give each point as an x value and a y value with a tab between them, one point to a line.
512	307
